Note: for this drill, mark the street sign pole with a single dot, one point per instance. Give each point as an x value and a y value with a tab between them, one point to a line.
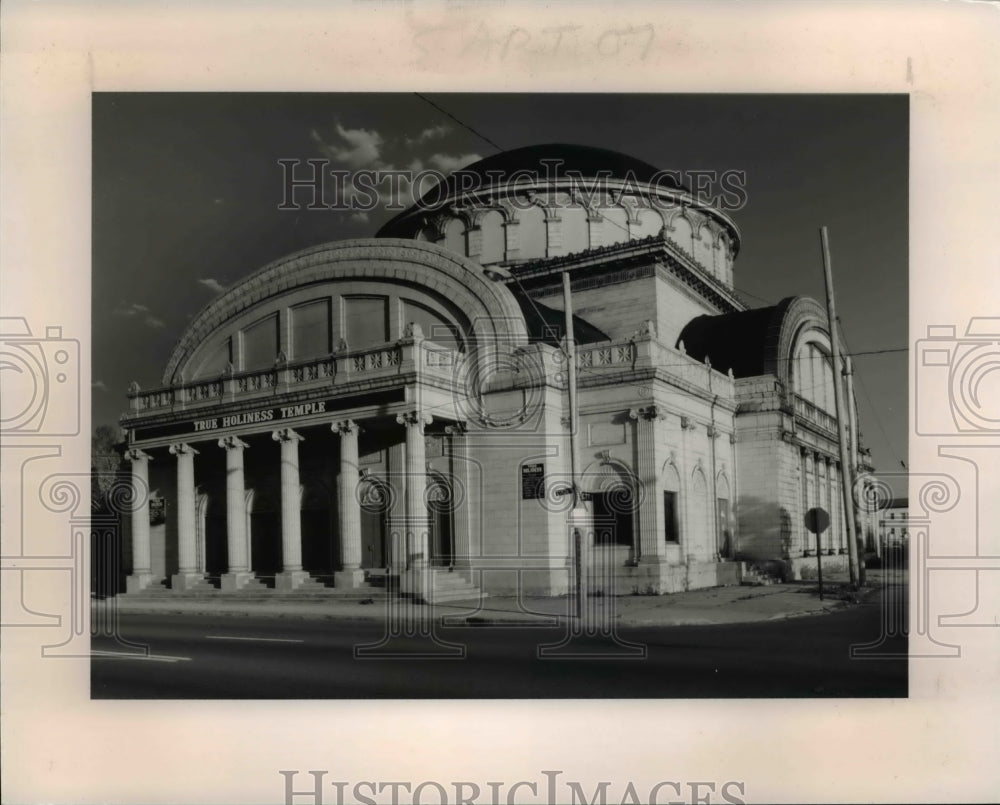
819	566
818	520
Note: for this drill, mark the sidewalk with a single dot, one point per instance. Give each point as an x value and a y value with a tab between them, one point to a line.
717	605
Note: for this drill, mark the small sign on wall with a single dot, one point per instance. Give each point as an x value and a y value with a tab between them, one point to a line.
532	481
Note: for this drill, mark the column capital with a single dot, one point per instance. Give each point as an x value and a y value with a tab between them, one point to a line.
232	443
345	426
414	418
181	448
457	429
647	412
136	454
286	435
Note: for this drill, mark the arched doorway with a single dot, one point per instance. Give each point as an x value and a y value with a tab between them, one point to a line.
726	540
612	491
700	545
440	510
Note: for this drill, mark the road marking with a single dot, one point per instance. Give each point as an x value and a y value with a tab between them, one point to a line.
123	655
258	639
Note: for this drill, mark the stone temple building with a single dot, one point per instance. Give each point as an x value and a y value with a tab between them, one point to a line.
395	410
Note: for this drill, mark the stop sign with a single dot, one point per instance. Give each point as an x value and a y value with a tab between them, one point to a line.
817	520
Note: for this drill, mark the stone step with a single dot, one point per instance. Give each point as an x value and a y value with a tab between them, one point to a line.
443	596
451	586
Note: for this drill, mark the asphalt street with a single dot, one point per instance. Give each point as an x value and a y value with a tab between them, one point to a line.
258	657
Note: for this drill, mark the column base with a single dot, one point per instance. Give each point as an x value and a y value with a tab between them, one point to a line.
349	579
231	582
652	560
138	582
288	580
188	581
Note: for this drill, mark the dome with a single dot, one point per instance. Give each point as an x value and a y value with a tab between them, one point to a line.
556	199
552	160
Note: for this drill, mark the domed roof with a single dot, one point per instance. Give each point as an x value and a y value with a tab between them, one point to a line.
555	160
584	160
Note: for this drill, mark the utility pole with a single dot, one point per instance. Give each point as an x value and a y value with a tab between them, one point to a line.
847	475
577	546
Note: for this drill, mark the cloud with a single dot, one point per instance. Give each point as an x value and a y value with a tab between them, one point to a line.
140	312
358	147
212	284
446	163
431	133
100	385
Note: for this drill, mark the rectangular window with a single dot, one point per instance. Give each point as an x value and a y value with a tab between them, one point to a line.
260	343
670	526
310	330
366	321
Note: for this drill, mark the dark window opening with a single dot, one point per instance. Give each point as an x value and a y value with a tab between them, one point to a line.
671	527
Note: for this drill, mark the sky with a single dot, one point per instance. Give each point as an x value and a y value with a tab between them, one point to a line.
187	189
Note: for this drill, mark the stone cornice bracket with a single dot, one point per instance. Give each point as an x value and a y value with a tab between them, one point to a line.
457	429
135	454
687	423
605	456
286	435
414	418
232	443
345	426
180	448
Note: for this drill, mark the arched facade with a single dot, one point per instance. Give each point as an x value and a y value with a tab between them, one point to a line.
393	412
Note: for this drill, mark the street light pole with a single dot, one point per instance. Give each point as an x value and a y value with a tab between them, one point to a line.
841	411
577	547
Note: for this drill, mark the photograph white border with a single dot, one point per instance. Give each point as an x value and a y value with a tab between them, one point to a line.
59	746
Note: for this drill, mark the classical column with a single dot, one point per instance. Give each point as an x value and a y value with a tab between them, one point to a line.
188	575
395	459
416	527
460	472
238	561
818	493
349	508
651	544
292	575
807	539
142	572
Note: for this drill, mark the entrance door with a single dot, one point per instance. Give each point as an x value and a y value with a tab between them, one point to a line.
216	560
439	506
375	504
613	517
